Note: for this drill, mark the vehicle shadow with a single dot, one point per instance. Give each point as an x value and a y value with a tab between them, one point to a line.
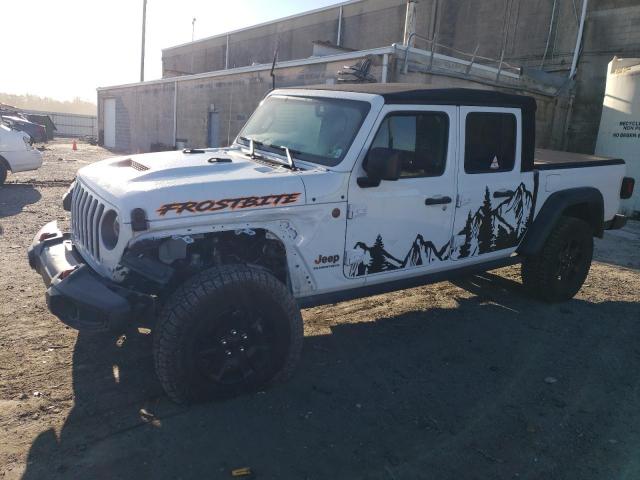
14	197
499	387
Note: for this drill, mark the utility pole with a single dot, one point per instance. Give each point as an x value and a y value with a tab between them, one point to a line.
144	24
193	28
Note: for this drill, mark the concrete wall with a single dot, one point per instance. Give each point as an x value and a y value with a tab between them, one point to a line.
144	116
523	28
365	25
144	113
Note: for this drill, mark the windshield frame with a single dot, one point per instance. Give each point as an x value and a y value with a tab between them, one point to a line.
304	156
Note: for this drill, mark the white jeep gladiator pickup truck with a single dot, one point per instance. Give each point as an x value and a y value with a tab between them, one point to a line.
328	193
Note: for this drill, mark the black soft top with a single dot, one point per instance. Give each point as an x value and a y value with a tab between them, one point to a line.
412	94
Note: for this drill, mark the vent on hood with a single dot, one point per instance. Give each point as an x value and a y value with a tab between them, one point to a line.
133	164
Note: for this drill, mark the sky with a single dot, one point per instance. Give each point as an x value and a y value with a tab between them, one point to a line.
67	48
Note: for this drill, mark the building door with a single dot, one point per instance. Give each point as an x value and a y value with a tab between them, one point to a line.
495	198
403	228
213	130
109	117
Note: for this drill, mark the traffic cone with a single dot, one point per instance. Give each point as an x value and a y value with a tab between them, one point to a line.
74	147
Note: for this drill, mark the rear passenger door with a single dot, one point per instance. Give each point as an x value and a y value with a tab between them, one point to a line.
495	197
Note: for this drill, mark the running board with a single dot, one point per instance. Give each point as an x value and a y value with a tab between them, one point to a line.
402	284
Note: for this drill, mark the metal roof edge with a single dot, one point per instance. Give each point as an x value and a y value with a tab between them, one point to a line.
258	68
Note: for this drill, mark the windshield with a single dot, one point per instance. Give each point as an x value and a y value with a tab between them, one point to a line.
318	130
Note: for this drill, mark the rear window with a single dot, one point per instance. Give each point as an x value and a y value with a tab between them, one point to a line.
490	142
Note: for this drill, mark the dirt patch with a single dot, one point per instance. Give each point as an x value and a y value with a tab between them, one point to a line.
457	380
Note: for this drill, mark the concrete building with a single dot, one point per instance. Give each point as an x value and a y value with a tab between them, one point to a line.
210	86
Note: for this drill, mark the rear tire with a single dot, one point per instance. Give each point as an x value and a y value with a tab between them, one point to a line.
557	273
226	331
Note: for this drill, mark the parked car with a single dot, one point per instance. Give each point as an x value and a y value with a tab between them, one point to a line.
328	193
37	132
16	153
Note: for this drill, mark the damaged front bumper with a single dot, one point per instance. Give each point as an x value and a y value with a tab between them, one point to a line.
76	294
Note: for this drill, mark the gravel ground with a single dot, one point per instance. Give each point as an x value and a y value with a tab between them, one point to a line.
460	380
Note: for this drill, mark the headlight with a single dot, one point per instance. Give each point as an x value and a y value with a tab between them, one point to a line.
110	229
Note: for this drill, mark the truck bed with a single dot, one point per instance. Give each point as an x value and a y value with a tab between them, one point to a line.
555	160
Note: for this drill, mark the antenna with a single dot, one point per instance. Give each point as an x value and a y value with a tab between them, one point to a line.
273	65
193	28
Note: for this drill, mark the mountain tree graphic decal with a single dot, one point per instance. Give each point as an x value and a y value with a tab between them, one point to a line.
467	231
504	239
485	232
377	255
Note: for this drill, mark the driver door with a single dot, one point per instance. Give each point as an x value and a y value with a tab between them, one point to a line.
403	228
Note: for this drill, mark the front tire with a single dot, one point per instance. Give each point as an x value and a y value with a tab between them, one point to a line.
227	330
557	273
3	173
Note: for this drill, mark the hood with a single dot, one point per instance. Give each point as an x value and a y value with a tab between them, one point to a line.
191	182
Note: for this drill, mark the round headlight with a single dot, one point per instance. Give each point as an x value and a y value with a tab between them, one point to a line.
110	229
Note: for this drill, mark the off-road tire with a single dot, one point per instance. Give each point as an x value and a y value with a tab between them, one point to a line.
191	309
3	172
543	275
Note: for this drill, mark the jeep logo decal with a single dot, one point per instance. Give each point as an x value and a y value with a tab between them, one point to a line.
328	259
228	203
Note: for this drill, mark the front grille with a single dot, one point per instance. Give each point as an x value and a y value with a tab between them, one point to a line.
86	214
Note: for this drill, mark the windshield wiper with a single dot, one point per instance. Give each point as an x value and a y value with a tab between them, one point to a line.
289	153
255	143
252	146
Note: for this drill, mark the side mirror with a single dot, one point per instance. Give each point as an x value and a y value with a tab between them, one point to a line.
381	164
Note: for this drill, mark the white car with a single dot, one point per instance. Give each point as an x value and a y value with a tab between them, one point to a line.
328	193
16	153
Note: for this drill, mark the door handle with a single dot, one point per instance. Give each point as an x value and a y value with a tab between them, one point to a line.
503	194
437	201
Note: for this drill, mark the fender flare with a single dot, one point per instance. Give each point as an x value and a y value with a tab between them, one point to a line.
553	209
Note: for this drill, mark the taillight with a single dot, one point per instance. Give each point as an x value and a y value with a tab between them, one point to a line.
626	190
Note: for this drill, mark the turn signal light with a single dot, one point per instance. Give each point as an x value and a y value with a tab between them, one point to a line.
139	222
626	190
65	273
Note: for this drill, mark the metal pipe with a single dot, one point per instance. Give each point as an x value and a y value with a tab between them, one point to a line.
226	55
473	59
431	41
434	45
500	65
576	52
546	48
410	22
144	26
385	68
175	113
339	39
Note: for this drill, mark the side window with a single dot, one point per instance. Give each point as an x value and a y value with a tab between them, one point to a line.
420	138
490	142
